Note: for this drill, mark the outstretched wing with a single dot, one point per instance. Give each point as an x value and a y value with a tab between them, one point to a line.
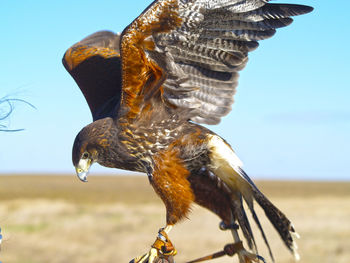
95	65
187	53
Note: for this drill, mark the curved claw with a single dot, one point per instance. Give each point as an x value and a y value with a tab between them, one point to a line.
153	256
261	258
247	257
162	249
150	257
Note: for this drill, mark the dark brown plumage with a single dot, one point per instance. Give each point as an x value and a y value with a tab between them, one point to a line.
173	67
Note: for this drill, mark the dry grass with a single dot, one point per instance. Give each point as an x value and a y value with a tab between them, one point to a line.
112	219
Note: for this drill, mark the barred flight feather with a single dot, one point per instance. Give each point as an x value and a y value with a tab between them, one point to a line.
192	38
207	74
181	55
215	37
227	44
246	35
214	100
222	91
172	85
270	11
235	5
243	25
228	58
207	109
208	119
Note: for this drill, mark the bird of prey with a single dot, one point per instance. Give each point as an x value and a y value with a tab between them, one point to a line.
149	89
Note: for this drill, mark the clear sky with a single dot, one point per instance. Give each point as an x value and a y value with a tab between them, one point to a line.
291	118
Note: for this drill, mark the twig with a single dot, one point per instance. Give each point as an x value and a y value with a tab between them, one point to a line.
9	104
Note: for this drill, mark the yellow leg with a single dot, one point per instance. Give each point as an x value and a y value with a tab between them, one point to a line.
161	248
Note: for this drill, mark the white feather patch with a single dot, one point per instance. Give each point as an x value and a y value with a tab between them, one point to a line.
221	148
226	165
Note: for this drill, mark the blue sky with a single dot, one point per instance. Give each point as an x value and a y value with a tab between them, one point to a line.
291	118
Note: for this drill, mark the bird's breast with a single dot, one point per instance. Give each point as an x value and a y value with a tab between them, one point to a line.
143	143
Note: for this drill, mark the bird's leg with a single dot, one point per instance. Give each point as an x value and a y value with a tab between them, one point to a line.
169	179
243	255
161	248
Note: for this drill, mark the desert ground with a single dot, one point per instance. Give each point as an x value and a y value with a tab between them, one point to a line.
58	219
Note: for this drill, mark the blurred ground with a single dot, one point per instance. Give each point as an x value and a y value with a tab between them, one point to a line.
112	219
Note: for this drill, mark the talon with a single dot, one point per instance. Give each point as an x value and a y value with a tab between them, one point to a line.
153	255
164	245
161	249
247	257
261	258
138	259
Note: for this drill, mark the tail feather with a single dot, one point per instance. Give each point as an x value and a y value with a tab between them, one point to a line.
257	221
248	230
226	165
281	223
244	224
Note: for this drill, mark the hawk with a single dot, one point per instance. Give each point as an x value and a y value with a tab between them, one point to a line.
149	89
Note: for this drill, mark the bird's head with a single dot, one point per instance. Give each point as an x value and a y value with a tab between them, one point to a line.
89	145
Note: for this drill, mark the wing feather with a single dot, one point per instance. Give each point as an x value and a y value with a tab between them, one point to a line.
95	65
266	12
216	36
181	52
144	67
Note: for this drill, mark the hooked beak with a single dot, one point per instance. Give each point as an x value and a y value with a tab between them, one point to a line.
82	169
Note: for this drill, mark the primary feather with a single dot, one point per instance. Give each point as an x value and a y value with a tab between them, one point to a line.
215	38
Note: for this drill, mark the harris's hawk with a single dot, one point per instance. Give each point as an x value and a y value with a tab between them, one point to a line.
149	89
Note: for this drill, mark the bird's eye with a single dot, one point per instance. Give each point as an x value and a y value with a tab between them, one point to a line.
85	155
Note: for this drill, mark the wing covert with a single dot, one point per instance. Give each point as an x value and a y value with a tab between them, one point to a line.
95	65
192	51
182	55
212	46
